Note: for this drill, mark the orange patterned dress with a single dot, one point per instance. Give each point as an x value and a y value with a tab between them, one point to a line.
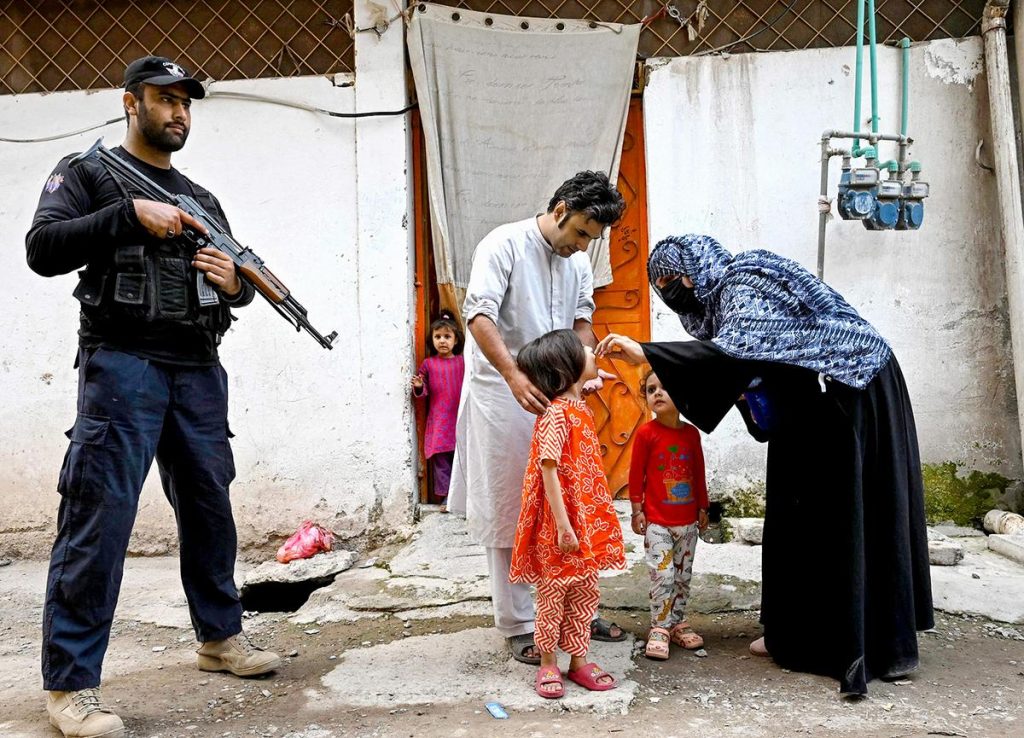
566	433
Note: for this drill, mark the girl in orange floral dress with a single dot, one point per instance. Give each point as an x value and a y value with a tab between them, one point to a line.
567	529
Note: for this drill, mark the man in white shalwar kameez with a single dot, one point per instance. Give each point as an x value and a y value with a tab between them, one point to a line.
528	278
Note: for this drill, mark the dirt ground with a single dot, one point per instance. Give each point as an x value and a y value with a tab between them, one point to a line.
971	683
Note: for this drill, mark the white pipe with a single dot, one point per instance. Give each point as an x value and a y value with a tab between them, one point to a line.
1011	218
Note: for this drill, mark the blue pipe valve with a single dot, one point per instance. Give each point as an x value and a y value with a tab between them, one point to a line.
886	213
858	188
912	202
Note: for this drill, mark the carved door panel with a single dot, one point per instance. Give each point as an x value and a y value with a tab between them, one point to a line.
624	307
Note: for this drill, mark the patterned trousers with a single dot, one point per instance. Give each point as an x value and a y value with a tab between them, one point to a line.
669	555
565	608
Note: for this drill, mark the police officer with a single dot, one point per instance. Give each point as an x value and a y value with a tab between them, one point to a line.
150	385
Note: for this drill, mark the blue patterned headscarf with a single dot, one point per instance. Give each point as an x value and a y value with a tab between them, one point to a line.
759	305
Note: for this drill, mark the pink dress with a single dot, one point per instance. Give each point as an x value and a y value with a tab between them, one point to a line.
442	385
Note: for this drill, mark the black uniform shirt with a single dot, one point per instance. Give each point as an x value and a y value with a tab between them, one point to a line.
81	217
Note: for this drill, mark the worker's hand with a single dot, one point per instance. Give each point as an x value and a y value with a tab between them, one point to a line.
567	541
526	393
219	269
164	221
614	346
597	384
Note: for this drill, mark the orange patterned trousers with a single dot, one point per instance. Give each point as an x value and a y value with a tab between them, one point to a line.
565	608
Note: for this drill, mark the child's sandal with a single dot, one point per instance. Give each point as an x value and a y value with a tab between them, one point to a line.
547	676
683	635
589	676
657	644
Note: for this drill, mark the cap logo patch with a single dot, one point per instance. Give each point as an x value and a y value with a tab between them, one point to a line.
174	69
55	181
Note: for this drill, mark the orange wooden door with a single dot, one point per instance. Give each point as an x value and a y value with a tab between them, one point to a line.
624	307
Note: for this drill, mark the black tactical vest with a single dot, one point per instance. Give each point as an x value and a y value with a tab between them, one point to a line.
152	281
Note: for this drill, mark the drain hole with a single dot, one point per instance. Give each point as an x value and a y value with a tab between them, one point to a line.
280	597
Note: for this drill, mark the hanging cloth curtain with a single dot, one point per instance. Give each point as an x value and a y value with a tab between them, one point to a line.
511	108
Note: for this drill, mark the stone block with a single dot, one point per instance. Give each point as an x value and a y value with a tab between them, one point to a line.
945	553
1012	547
748	530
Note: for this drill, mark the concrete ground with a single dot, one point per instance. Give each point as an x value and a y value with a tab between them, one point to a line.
401	645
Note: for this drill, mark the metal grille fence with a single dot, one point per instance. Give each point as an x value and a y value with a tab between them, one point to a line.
753	25
49	45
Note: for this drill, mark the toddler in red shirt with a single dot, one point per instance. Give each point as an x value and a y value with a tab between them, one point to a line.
669	494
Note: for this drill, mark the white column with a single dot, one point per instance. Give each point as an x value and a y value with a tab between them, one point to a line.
384	254
1004	141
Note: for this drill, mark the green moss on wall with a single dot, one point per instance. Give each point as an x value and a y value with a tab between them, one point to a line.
745	502
962	498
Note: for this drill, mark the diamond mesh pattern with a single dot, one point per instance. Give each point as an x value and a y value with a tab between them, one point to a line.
809	24
50	45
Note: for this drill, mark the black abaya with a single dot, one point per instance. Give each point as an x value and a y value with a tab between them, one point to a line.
845	556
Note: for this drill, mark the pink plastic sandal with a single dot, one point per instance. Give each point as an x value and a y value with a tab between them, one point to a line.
683	635
657	644
547	675
589	676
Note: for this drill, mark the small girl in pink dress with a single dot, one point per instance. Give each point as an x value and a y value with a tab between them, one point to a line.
440	380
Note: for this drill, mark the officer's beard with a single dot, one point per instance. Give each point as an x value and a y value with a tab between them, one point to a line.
158	135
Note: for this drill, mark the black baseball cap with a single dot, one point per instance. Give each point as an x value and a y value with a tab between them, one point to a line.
158	70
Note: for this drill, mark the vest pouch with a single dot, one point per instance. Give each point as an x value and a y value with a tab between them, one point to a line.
89	290
173	286
130	288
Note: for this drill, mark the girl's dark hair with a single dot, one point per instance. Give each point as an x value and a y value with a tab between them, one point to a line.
554	362
592	194
648	373
447	320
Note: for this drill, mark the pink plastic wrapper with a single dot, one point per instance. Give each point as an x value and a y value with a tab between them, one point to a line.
309	540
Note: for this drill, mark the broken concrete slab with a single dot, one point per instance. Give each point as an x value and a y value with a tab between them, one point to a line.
984	584
276	587
943	550
330	604
957	531
1010	546
471	665
323	566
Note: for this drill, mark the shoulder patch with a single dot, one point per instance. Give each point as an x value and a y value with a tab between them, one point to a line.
54	182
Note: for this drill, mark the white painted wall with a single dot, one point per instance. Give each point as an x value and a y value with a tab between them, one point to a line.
324	201
733	151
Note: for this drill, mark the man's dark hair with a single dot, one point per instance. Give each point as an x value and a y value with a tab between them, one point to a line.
592	194
135	89
554	362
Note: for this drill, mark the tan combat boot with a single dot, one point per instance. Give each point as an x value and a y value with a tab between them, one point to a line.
82	714
238	655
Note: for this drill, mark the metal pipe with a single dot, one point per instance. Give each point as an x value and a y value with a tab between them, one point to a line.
1011	217
872	137
858	75
824	207
905	102
874	66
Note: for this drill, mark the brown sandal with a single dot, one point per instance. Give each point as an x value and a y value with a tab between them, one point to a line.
683	635
657	644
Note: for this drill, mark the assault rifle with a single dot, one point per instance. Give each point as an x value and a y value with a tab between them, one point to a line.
250	267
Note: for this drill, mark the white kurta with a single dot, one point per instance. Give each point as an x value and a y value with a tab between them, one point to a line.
526	290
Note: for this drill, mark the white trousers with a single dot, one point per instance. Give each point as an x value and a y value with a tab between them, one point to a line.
513	605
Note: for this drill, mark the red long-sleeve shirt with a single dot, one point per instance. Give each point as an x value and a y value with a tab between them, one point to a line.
666	473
